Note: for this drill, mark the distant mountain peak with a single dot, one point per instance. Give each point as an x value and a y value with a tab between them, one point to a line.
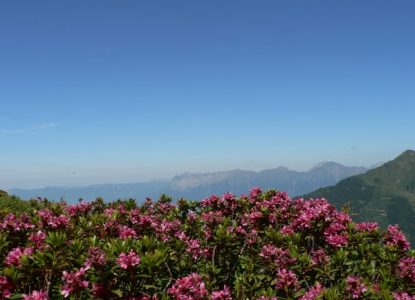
409	151
200	185
407	154
282	169
326	164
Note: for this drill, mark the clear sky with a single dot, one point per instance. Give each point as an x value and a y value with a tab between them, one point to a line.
124	91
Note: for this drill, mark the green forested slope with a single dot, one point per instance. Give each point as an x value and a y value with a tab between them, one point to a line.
385	194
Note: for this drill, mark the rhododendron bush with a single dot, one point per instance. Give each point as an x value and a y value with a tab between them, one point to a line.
260	246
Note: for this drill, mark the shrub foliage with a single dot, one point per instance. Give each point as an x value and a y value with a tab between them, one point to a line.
260	246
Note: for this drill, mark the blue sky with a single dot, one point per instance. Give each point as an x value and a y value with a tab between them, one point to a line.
122	91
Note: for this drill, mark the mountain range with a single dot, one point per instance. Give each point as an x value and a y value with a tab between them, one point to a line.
197	186
385	194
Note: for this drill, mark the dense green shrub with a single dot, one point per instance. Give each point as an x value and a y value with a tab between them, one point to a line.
260	246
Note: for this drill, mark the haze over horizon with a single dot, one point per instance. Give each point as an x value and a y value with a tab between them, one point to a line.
109	92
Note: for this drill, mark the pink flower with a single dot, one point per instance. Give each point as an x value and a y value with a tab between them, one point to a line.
368	227
96	257
207	233
79	209
281	257
406	268
287	230
395	237
125	232
286	279
191	216
355	286
38	238
14	256
402	296
268	252
337	240
110	212
190	287
313	292
166	228
319	257
254	193
5	287
212	201
36	295
126	261
212	217
224	294
194	248
12	223
74	282
144	297
240	230
181	235
252	237
49	219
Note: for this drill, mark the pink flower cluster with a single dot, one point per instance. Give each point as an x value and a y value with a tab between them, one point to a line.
96	257
395	237
307	213
125	232
224	294
319	257
165	229
79	209
14	256
110	212
336	234
194	248
367	227
402	296
313	293
212	217
355	286
5	287
129	260
74	282
38	238
36	295
226	204
281	257
406	268
12	223
286	279
49	219
190	287
310	211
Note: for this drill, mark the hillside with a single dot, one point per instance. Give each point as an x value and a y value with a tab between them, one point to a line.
200	185
10	203
385	194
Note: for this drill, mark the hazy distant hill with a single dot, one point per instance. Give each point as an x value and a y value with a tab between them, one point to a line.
108	191
385	194
198	186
